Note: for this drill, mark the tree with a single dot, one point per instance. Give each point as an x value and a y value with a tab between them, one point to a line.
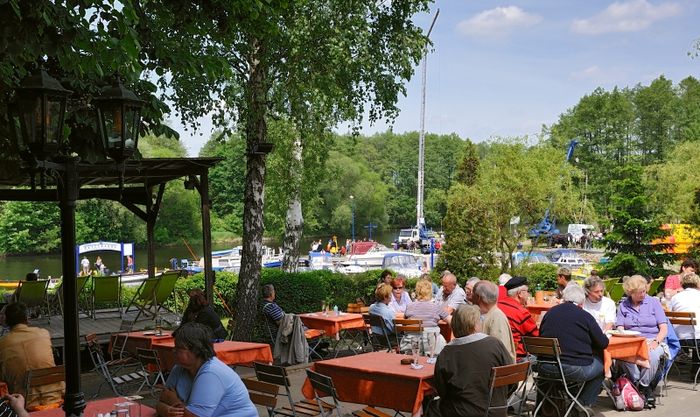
633	243
673	183
687	120
656	108
28	227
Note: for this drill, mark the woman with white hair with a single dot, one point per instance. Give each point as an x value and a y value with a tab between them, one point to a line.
643	313
581	341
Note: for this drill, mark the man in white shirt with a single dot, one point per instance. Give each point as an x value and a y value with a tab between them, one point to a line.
599	306
687	300
450	295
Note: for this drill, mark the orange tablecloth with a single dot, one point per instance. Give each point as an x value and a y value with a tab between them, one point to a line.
537	309
230	353
142	339
377	379
331	323
98	406
628	349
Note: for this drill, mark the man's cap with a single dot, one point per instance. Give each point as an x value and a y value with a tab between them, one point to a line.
515	282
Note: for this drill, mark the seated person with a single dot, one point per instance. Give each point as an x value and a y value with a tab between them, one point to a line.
581	341
463	369
428	311
643	313
199	311
673	284
272	311
598	305
24	348
450	295
399	296
200	384
519	318
381	308
688	300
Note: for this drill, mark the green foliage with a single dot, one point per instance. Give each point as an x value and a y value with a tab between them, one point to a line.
672	183
543	274
625	264
27	227
107	220
635	227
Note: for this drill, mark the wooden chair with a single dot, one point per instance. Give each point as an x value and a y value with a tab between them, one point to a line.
34	379
323	387
502	377
378	341
106	290
278	375
357	308
553	386
407	327
690	350
263	394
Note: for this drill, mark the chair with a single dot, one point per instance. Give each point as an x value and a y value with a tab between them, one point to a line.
106	290
378	341
690	350
33	295
323	387
56	301
548	351
278	375
357	308
150	365
145	296
609	284
654	286
617	292
502	377
314	337
165	289
36	378
263	394
406	327
112	372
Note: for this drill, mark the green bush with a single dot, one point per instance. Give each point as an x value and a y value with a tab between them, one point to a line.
543	274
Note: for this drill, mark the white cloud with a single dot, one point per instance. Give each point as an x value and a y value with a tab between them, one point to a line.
498	22
592	72
625	16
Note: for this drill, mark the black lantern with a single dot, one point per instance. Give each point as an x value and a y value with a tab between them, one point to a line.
37	115
118	120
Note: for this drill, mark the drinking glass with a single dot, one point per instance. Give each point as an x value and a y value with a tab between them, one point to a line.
415	348
432	345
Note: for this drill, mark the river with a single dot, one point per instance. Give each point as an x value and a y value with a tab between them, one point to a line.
16	267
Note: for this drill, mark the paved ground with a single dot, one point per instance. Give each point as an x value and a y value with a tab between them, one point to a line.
679	400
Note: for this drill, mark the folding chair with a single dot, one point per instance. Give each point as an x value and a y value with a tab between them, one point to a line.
55	302
609	284
33	295
617	292
121	383
690	350
150	365
165	289
145	296
35	379
106	290
278	375
502	377
323	387
263	394
377	341
314	337
654	286
548	352
407	327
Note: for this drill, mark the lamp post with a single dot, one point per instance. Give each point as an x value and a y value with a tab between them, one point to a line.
37	126
352	198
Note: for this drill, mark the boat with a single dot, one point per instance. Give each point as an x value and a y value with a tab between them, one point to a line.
366	256
229	260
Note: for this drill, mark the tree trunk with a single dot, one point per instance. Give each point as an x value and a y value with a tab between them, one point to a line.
295	217
251	260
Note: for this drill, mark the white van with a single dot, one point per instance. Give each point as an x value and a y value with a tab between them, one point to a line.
576	230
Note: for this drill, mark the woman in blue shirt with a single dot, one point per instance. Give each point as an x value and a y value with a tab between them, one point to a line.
200	384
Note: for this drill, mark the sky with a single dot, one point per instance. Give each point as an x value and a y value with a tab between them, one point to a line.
502	69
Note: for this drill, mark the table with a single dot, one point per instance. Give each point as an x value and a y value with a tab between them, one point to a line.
537	309
628	349
229	352
345	327
377	379
141	339
104	405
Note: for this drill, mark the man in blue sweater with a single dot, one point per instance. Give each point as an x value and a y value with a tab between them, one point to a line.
581	341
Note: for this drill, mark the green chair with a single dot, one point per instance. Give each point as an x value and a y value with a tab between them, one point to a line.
33	295
106	290
166	288
655	285
56	301
145	297
609	284
617	292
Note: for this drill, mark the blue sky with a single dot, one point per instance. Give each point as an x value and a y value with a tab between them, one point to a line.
506	68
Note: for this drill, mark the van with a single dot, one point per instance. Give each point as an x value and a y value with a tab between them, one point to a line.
576	230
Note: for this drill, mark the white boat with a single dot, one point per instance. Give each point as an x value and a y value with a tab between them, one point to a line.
379	256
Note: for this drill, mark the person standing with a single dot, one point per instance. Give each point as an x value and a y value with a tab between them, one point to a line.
85	265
